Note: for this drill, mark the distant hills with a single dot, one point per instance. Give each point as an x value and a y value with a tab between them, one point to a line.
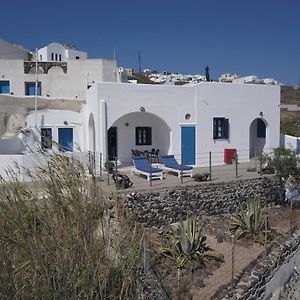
289	119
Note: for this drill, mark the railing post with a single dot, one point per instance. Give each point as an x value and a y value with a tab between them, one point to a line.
232	256
255	153
116	174
209	159
181	171
100	165
236	165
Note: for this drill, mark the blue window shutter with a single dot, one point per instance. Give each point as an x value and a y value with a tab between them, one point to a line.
4	87
226	129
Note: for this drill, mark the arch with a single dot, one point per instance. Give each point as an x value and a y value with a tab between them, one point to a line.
39	70
257	136
126	127
92	135
55	69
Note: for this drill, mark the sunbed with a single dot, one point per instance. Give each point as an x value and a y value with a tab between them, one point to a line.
142	166
171	165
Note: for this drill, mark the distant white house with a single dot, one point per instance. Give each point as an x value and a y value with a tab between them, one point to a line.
58	52
227	77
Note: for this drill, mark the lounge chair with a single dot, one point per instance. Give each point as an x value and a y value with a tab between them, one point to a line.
142	166
171	165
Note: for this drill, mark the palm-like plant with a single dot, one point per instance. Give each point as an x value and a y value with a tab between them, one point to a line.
250	221
189	244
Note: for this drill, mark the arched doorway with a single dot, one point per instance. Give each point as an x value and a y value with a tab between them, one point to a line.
139	131
257	137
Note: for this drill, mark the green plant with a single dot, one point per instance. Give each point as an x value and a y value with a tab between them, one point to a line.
109	165
189	245
285	163
250	221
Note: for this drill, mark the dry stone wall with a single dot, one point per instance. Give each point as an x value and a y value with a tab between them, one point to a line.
156	209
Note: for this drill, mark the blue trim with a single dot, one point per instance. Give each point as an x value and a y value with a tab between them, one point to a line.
188	145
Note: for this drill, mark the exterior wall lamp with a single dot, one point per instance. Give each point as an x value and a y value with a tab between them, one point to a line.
142	108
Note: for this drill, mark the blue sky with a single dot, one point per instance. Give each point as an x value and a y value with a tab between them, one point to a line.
257	37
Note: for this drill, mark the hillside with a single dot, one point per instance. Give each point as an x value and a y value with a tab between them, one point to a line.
290	120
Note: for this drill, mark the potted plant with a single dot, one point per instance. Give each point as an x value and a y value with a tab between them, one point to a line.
109	166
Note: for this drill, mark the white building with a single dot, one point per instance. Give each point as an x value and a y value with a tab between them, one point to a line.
58	52
61	94
80	103
12	51
192	120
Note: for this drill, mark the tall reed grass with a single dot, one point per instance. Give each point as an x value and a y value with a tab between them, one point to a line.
56	241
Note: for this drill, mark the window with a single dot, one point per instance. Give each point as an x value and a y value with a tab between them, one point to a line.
65	139
41	57
52	56
59	57
221	128
4	87
77	57
46	138
56	56
143	136
30	89
261	129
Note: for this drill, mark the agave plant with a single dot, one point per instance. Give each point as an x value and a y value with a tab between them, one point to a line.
188	244
250	221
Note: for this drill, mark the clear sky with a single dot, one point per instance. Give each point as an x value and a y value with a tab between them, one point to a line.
254	37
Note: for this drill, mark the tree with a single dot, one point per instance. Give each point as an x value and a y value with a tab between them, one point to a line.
285	163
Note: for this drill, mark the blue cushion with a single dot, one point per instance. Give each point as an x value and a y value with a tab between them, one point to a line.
170	162
142	164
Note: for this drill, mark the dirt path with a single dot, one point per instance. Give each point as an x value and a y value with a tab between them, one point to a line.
242	256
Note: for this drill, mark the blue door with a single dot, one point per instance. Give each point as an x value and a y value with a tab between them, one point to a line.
298	146
188	143
65	139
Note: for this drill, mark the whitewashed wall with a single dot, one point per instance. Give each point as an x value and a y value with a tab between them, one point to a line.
57	84
241	104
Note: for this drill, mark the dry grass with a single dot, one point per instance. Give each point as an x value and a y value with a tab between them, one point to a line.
50	242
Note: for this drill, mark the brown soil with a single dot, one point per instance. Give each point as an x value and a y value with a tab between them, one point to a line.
205	281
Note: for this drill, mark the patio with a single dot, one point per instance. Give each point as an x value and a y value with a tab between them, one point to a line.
224	173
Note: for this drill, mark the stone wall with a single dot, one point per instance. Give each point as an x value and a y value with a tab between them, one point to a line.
259	281
163	207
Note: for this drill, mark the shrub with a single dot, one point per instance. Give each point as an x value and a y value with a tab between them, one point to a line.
189	245
251	222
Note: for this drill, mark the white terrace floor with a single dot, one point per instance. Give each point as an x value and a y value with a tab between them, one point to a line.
222	173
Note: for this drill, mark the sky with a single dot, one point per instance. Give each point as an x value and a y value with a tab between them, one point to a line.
257	37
